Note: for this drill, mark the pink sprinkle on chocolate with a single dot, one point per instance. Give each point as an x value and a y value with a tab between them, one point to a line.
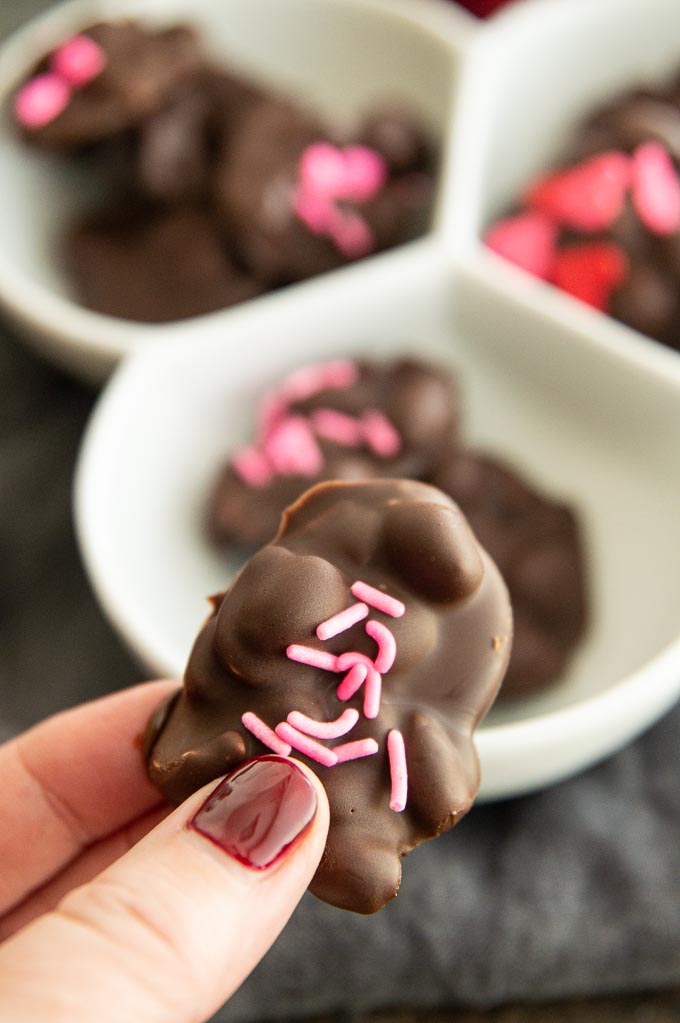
252	466
591	272
365	172
350	234
41	100
342	621
589	196
528	240
352	682
656	189
314	210
324	729
380	435
303	744
314	658
337	427
398	772
387	645
264	733
79	60
291	448
354	750
377	599
338	374
372	692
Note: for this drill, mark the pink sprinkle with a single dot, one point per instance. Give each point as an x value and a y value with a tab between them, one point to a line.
314	209
315	658
41	100
387	646
341	621
380	435
354	750
252	466
322	169
365	172
79	60
267	737
350	234
528	240
372	694
589	196
303	744
656	190
398	771
352	682
377	599
324	729
291	448
337	427
339	374
349	685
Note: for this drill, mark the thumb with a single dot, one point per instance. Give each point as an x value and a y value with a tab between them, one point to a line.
170	930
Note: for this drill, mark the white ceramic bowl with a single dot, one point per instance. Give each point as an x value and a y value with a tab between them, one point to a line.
601	431
338	55
530	77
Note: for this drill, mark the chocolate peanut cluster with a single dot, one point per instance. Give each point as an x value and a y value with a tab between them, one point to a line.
368	639
218	188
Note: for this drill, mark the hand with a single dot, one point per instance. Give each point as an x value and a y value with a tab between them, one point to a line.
112	908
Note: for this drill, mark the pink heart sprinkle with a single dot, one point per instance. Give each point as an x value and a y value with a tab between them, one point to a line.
314	209
591	272
79	60
322	169
365	172
588	197
41	100
292	448
656	190
529	240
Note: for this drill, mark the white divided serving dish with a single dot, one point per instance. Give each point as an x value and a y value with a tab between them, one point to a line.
599	430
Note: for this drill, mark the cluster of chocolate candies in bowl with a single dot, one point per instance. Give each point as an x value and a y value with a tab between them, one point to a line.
217	189
605	225
361	420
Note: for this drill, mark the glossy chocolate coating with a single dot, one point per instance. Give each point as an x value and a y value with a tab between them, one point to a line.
144	68
154	265
421	401
537	546
452	643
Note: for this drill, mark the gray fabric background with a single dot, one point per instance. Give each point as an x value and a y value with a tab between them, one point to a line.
574	891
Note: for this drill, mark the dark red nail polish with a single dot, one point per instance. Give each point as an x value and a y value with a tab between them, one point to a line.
258	812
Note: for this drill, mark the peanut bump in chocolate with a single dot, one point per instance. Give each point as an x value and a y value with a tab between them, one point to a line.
368	639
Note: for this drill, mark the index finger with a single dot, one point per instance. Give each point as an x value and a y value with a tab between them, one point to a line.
70	781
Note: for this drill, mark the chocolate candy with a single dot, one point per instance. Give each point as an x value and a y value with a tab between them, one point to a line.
153	265
104	82
537	546
338	420
605	226
158	123
367	640
296	201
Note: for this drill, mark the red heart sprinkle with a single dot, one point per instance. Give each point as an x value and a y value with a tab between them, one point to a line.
656	189
589	196
529	240
591	272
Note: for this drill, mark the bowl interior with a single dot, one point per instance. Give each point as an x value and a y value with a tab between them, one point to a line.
599	432
338	57
539	68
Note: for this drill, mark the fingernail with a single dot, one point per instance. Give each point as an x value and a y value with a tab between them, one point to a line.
259	812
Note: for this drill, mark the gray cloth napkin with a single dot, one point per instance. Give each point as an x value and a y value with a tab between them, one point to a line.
570	892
